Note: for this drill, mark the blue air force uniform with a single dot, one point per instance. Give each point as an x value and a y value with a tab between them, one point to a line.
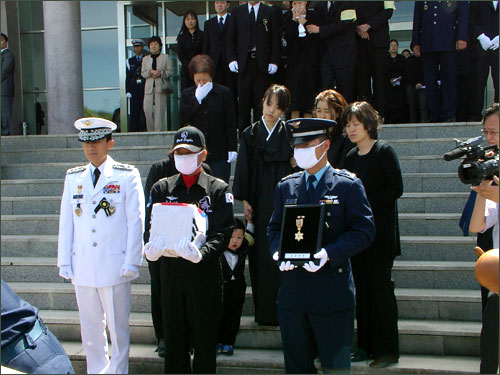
316	310
437	26
134	85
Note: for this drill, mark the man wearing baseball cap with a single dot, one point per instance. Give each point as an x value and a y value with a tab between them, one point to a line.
192	282
100	244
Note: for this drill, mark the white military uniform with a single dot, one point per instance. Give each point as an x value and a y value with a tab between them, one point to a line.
97	246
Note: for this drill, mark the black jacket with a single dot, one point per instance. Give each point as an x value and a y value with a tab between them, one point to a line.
483	18
338	38
294	43
188	47
215	117
374	14
239	269
215	41
267	38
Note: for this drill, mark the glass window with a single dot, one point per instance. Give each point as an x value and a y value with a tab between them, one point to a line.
35	112
98	13
102	103
404	11
176	11
33	62
30	15
100	58
142	21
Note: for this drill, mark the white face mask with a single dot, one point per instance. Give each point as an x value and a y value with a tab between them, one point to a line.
187	164
306	157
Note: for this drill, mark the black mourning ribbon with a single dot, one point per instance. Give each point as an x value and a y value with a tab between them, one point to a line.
105	205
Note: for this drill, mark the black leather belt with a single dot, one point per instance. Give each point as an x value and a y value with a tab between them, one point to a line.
24	341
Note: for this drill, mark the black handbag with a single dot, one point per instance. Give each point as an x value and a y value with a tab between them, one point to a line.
166	86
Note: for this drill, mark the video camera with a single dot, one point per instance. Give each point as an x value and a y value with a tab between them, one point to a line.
476	166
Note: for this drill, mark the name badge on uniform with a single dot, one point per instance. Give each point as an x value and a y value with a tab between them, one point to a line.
78	196
291	201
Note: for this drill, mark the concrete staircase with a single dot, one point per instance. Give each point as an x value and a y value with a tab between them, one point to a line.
438	296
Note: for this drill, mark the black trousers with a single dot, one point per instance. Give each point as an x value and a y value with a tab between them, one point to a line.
417	110
376	306
137	116
341	79
490	336
479	76
252	84
371	73
233	298
225	77
191	313
156	303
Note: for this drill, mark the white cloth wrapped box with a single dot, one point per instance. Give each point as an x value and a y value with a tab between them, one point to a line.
175	221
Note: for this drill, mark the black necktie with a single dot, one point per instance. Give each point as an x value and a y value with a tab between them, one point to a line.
310	186
251	44
96	175
221	23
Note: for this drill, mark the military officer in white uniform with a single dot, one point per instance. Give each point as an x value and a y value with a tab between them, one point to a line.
100	244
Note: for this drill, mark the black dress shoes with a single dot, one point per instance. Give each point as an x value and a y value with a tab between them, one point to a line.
359	356
384	361
161	348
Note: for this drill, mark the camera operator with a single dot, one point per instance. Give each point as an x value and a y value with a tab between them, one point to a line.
484	217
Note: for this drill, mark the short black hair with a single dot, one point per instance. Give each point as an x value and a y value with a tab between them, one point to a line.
490	111
155	38
5	37
109	137
394	40
365	114
238	224
282	94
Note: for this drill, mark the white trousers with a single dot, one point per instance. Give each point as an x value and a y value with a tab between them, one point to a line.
99	307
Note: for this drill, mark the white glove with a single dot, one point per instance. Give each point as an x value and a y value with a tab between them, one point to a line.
129	270
153	249
233	66
199	240
129	95
272	68
494	43
284	266
66	272
485	41
322	255
188	250
231	156
202	91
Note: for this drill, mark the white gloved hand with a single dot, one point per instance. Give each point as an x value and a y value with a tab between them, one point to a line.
199	240
129	270
233	66
231	156
202	91
284	266
484	41
494	43
188	250
272	68
66	272
153	249
129	95
322	255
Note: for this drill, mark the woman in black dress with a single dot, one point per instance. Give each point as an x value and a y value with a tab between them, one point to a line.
264	158
302	51
395	106
377	165
329	105
189	44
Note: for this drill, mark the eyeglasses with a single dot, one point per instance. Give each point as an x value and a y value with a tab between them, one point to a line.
488	132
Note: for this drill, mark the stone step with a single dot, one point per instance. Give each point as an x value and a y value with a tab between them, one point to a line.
427	248
144	360
424	337
413	183
425	304
76	156
71	140
429	224
403	147
461	130
409	164
408	203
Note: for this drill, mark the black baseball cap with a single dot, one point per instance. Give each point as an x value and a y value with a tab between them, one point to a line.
307	129
189	138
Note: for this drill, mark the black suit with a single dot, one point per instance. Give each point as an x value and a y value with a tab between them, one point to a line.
134	84
8	64
372	52
215	117
339	48
253	77
483	18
